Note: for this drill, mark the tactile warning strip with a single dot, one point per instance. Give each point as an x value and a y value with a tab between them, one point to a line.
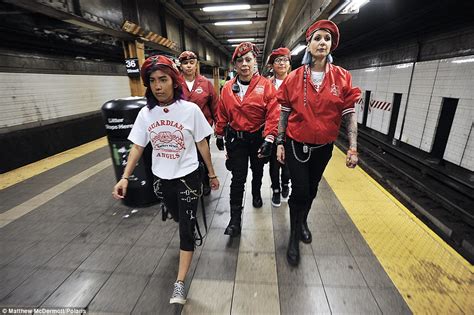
430	275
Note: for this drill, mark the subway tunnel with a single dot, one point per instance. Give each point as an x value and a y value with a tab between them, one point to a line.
394	235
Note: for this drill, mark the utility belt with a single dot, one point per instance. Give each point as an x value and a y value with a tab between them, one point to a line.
231	133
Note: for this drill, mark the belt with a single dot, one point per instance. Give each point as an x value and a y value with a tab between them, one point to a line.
244	134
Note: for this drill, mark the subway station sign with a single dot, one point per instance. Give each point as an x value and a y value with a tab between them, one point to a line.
133	70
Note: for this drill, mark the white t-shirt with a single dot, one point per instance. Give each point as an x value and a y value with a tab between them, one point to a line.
278	82
190	85
173	131
243	89
317	78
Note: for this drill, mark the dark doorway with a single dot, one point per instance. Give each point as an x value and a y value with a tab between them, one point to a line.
366	108
397	99
448	109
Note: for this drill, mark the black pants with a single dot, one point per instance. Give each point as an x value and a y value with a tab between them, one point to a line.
205	179
275	167
181	197
239	152
305	177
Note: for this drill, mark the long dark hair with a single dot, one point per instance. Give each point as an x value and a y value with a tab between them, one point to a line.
177	88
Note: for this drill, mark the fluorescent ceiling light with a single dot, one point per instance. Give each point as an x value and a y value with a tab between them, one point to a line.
354	6
463	60
370	70
234	45
298	49
233	23
233	7
240	40
404	65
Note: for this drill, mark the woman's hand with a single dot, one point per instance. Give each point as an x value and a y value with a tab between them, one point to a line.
120	189
214	183
352	158
281	153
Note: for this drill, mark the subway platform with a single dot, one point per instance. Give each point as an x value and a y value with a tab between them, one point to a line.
66	244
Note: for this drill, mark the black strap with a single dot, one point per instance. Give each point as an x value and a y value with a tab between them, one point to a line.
200	238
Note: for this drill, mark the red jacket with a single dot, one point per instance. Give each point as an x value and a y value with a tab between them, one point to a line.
319	120
204	95
259	107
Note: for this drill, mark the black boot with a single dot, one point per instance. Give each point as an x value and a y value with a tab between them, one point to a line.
235	224
306	236
293	252
257	201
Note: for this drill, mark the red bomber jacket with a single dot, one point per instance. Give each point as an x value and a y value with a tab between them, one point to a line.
204	95
317	119
259	107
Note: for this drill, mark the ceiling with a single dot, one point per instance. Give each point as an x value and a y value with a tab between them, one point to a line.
257	14
274	23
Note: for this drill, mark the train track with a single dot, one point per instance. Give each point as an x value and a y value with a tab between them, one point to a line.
442	200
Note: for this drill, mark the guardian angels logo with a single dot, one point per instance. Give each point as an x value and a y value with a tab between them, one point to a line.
167	138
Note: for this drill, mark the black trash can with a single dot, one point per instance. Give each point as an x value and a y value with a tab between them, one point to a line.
119	116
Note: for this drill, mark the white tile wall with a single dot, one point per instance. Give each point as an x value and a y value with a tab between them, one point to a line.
30	97
432	80
431	123
468	158
461	135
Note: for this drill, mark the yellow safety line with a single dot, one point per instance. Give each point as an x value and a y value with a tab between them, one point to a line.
429	274
20	174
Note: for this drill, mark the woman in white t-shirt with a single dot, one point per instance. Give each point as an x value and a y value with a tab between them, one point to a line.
176	130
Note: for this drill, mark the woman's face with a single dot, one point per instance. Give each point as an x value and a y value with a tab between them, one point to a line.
162	86
189	67
281	65
320	44
244	65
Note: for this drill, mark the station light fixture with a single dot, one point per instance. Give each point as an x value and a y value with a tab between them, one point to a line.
354	6
234	45
237	40
370	69
298	49
243	22
463	60
233	7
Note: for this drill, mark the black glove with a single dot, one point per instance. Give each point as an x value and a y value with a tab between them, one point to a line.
265	149
220	143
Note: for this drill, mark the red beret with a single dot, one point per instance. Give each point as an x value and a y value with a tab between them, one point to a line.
244	48
155	61
282	51
326	25
186	55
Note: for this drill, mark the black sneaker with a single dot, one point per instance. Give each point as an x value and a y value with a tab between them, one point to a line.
257	202
276	202
285	191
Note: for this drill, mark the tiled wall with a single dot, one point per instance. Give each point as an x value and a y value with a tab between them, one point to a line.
431	82
28	97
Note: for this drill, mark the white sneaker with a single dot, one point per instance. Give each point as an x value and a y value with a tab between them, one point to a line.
178	295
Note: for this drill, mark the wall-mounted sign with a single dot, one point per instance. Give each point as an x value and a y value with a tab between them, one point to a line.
133	70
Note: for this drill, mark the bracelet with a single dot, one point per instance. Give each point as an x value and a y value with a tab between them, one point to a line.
125	177
212	177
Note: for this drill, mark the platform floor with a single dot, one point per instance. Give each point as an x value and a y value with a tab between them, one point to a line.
65	243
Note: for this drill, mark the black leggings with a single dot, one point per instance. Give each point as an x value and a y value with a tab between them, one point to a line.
305	177
275	167
181	197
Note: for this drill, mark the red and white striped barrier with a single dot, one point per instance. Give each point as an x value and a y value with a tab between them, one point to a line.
380	105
